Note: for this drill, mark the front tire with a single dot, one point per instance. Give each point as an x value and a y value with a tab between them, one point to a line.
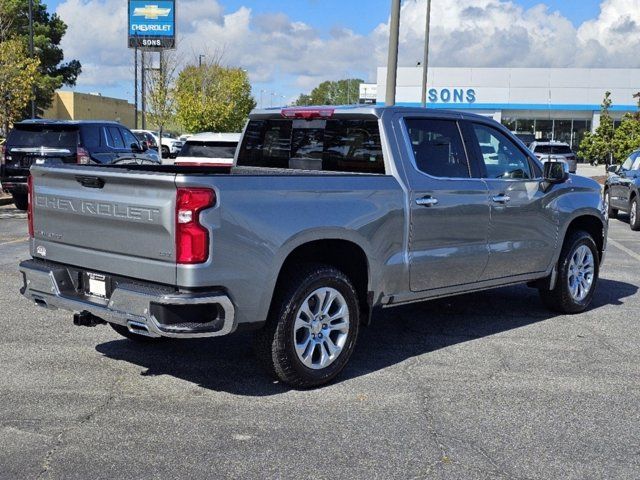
21	201
578	273
634	218
312	328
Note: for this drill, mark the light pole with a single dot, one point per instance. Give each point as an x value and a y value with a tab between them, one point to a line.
31	52
262	92
200	57
392	63
425	63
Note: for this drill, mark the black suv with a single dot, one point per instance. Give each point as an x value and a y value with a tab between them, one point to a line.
50	142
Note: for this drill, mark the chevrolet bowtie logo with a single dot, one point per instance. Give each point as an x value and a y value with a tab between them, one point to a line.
151	12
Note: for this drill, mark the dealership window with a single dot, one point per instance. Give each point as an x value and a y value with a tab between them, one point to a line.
560	130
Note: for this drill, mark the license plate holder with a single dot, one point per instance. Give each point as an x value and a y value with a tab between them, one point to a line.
97	285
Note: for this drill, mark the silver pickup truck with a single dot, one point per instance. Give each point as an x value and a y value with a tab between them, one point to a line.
327	215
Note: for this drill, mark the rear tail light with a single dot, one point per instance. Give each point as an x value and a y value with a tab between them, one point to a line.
30	204
307	113
192	239
83	157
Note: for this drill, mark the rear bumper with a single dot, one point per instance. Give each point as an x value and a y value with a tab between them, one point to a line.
13	184
142	308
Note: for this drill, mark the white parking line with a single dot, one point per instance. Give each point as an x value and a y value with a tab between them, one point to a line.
15	241
619	246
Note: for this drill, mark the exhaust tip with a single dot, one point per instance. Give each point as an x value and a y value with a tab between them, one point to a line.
139	328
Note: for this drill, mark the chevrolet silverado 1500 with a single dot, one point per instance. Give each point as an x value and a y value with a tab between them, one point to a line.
327	215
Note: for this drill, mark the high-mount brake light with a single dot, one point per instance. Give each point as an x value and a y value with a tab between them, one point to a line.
192	239
30	199
307	113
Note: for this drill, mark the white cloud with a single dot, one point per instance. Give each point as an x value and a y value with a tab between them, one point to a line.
279	50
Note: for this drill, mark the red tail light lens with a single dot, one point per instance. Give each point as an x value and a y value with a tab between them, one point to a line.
192	239
30	204
83	157
307	113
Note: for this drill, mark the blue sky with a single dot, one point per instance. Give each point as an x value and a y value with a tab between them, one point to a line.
289	46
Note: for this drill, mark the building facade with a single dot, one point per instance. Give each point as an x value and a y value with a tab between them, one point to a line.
544	103
84	106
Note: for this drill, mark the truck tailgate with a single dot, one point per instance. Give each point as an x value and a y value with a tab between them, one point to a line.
110	220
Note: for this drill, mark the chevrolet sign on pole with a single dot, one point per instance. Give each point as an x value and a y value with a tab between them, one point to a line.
152	25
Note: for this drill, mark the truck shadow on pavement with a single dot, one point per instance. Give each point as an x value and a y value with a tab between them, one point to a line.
228	364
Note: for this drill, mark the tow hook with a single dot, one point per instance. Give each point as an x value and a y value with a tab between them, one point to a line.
86	319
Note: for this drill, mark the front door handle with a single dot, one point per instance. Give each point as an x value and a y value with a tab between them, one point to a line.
502	198
427	202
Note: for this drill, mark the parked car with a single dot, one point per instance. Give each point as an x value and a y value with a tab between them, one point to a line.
622	188
52	142
526	138
555	152
329	215
209	149
170	146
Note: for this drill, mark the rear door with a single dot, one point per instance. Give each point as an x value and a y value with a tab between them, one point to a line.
449	208
40	144
523	232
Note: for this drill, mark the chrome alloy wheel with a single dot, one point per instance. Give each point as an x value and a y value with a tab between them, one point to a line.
634	213
581	273
321	328
607	204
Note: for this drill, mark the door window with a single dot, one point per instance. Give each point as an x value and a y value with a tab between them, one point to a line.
437	148
129	138
502	158
114	139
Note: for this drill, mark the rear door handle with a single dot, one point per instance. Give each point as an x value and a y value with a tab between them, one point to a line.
427	202
502	198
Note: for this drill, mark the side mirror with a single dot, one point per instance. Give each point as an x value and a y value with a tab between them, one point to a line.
136	148
613	169
555	173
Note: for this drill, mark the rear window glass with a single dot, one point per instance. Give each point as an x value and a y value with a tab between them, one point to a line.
113	138
553	149
209	149
43	137
352	146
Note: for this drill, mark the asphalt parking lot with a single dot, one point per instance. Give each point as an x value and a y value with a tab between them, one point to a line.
489	385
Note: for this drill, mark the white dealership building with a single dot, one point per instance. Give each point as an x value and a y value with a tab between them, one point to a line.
549	103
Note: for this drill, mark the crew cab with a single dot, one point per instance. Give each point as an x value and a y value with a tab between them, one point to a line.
55	142
328	215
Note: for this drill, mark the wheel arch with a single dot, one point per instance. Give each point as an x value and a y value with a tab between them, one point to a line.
591	224
344	254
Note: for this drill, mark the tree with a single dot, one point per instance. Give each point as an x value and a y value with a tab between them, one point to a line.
598	147
213	98
160	93
626	138
342	92
53	72
18	74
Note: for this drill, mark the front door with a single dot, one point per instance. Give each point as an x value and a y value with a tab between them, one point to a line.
449	208
522	237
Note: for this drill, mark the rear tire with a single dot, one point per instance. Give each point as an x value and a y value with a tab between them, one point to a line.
312	329
634	218
21	201
124	331
612	213
578	273
165	152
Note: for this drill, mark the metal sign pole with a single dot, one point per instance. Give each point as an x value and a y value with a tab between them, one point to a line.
392	64
135	88
425	64
144	91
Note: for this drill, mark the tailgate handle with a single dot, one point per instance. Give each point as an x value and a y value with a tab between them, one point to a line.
90	182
